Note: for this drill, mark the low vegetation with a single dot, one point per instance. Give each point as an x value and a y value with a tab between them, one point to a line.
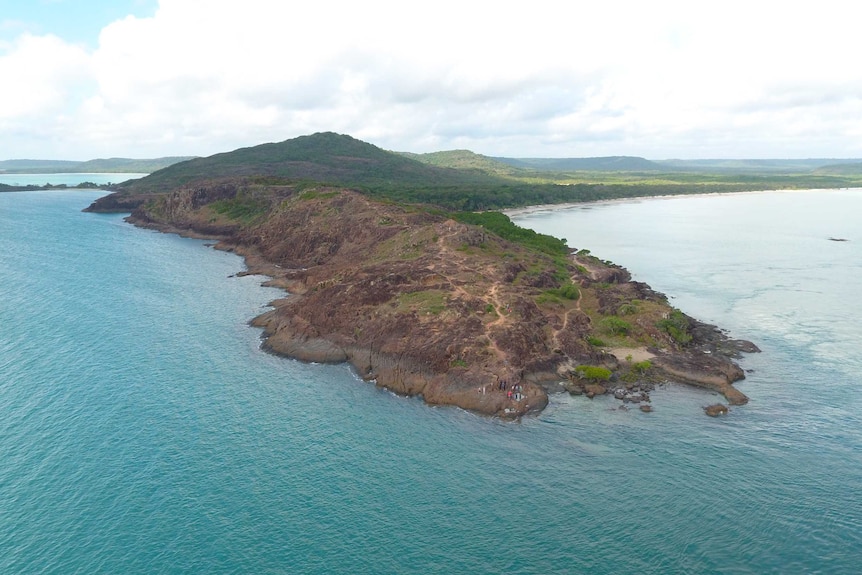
593	372
676	325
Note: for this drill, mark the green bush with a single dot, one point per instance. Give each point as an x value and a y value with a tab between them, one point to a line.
616	326
676	325
593	340
594	372
642	366
629	308
570	291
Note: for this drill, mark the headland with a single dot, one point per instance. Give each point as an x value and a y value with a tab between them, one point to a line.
458	307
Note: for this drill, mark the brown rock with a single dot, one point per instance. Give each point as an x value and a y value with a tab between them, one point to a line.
715	409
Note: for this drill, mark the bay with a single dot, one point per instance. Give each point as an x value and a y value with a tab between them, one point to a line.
143	430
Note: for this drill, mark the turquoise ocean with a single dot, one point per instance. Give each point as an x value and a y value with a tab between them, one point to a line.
143	430
69	179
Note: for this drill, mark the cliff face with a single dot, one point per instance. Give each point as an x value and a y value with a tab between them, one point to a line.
424	305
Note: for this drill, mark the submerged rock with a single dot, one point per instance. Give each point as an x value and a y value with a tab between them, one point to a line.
715	409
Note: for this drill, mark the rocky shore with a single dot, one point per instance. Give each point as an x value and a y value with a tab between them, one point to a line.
424	305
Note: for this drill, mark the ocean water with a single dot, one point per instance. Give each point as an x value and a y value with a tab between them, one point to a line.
70	179
142	429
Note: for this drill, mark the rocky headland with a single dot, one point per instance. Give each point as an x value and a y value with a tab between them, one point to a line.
424	303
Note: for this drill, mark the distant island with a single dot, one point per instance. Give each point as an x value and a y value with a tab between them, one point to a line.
120	166
390	266
102	166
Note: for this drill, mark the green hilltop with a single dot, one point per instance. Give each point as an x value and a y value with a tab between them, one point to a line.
103	165
326	158
464	180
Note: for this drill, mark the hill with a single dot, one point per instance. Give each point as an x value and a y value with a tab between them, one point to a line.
466	160
601	164
760	166
845	169
109	165
454	180
36	166
323	157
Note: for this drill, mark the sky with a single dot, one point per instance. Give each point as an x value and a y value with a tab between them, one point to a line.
85	79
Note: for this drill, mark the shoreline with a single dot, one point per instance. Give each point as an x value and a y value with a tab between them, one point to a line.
543	208
480	337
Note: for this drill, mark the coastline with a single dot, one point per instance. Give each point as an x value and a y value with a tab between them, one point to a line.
436	317
543	208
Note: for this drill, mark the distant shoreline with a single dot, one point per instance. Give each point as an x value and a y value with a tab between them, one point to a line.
540	208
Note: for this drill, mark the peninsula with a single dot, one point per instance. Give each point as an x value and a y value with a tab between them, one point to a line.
460	307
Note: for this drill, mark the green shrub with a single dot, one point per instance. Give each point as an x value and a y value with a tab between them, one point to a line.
593	340
570	291
642	366
629	308
676	325
594	372
616	326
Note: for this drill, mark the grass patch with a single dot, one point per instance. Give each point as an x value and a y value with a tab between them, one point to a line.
242	208
429	301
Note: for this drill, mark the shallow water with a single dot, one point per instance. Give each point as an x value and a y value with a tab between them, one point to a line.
69	179
142	429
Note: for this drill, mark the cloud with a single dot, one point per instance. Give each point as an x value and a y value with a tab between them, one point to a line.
47	73
658	79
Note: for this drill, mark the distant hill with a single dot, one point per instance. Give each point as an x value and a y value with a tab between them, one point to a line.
36	166
323	157
108	165
600	164
755	165
464	160
847	169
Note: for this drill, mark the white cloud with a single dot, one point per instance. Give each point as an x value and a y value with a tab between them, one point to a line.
659	79
42	74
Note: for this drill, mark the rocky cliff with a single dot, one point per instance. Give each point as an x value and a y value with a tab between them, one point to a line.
425	305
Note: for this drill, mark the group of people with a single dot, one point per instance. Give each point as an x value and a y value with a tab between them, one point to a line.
512	391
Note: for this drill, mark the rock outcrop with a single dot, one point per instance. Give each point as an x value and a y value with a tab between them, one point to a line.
424	305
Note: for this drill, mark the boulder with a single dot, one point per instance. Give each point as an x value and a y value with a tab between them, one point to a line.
715	409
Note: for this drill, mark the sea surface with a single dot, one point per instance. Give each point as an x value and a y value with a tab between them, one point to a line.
143	430
69	179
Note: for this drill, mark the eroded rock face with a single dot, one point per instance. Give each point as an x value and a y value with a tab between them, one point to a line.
421	304
119	203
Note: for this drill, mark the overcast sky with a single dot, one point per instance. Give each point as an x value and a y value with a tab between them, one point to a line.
659	79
